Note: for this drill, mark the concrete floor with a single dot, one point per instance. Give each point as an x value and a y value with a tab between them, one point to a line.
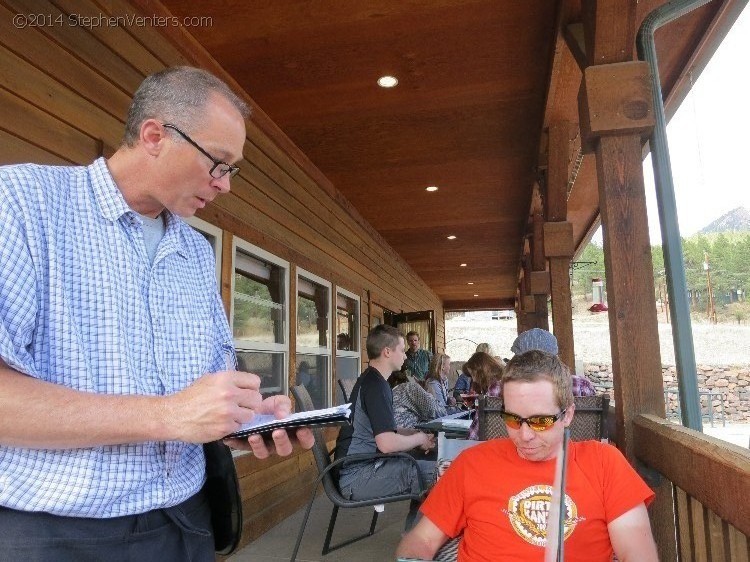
278	543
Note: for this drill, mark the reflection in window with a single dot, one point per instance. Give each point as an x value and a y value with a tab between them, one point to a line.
312	314
259	306
347	321
346	368
312	372
268	366
347	339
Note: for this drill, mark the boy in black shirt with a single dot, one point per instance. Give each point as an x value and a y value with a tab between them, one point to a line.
373	428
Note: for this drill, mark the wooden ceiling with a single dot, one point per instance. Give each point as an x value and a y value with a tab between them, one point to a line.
478	81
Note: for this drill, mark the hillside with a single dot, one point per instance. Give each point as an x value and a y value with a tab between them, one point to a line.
736	220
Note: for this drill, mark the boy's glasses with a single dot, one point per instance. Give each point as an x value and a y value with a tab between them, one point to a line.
537	423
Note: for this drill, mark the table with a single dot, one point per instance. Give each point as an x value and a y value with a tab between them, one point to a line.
438	425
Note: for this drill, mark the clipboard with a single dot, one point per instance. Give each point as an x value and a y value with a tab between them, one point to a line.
338	415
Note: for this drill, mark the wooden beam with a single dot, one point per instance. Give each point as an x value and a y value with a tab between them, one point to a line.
459	305
574	39
615	99
627	259
609	30
539	282
540	318
558	238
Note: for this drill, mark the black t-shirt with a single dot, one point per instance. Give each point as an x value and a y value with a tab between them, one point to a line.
372	414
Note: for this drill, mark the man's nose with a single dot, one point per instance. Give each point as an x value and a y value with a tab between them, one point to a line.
222	183
527	434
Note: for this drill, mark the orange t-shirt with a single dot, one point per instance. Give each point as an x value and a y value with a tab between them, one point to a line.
500	501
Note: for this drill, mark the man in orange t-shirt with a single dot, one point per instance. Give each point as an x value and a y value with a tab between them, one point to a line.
498	493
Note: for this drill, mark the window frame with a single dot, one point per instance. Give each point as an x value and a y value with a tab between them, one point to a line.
242	345
317	350
207	228
355	354
358	322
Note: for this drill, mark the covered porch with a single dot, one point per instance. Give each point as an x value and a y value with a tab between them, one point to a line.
530	119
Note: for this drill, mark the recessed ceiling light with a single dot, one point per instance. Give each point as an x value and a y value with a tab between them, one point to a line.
476	295
452	237
431	188
463	265
471	282
387	81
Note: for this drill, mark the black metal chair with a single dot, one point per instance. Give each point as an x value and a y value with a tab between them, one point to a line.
330	486
589	421
346	386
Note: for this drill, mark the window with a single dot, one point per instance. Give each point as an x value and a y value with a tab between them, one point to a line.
347	338
260	293
213	235
313	337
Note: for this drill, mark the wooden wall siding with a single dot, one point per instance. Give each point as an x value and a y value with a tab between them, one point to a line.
64	94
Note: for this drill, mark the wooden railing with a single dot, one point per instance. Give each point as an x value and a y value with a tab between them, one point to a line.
712	488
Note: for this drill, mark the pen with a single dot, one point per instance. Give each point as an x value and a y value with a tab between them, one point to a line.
230	358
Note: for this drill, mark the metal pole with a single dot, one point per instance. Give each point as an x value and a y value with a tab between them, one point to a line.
682	333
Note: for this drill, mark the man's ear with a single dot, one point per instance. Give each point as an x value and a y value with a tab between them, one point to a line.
568	419
152	136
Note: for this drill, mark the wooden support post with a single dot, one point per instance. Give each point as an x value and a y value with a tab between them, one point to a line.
559	246
615	113
538	264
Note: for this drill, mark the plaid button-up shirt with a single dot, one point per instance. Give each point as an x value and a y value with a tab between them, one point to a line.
81	305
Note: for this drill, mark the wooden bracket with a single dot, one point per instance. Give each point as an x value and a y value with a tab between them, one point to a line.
539	283
529	304
558	239
615	99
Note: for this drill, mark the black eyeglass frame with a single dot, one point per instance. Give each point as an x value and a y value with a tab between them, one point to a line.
533	421
230	169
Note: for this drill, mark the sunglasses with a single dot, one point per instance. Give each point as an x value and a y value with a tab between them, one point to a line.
537	423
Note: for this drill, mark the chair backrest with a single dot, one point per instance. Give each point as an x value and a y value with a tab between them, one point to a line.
491	425
346	386
319	450
589	421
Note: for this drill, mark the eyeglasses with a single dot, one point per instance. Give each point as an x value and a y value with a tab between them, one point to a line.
219	169
537	423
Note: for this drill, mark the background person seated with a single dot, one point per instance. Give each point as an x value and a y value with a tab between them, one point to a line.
605	499
485	373
412	404
373	429
343	342
436	382
463	384
540	339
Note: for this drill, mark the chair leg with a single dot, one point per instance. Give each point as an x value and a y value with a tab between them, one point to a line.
373	522
327	544
329	533
302	528
411	517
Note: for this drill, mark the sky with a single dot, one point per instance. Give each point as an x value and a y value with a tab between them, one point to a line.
709	140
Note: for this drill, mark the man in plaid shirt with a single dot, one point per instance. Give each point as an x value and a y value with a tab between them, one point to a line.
116	358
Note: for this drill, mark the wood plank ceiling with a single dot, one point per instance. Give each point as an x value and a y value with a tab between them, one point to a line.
466	116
